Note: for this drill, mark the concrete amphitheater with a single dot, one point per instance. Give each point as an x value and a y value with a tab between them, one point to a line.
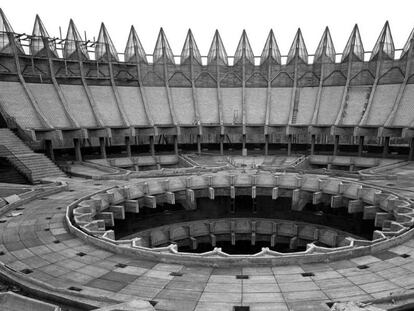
160	182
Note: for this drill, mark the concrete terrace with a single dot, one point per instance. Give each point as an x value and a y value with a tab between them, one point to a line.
37	248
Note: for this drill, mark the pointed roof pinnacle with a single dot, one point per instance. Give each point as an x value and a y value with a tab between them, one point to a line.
384	44
244	50
74	43
354	46
217	52
190	49
134	51
271	50
325	48
162	51
298	49
104	47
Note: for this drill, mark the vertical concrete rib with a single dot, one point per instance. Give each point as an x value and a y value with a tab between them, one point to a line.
391	118
28	93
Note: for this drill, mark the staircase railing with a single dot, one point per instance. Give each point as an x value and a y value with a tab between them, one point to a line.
19	165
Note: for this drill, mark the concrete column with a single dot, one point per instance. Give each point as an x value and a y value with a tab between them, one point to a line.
266	149
386	148
289	146
221	144
336	145
49	149
102	146
361	146
176	144
411	153
198	144
152	147
128	146
313	139
78	153
243	143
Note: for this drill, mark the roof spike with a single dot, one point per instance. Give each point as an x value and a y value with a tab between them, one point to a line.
408	44
298	49
217	52
354	46
384	44
74	43
190	49
6	31
134	52
271	50
163	49
104	48
244	50
325	49
39	36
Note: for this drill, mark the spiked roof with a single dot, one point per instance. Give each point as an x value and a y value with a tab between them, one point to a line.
407	45
105	48
271	50
163	49
134	51
325	48
217	52
354	46
384	43
190	49
5	30
40	35
244	50
74	42
298	49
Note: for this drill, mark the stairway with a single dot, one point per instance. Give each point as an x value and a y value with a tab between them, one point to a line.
34	166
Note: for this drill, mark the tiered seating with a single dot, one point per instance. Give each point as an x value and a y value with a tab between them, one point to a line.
105	99
133	105
158	103
405	112
79	104
49	104
356	104
330	102
183	104
256	105
384	99
39	165
15	103
280	105
232	105
207	101
307	101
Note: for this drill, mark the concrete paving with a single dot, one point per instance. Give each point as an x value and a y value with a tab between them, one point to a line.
37	245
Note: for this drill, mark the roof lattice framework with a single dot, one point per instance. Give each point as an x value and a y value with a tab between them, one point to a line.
244	50
271	50
190	49
354	46
298	49
105	48
162	49
134	51
39	36
384	44
5	31
325	49
217	53
74	43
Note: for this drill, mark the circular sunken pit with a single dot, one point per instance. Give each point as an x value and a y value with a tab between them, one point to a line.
243	218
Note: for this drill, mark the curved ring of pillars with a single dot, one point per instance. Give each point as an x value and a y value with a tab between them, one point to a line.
92	214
